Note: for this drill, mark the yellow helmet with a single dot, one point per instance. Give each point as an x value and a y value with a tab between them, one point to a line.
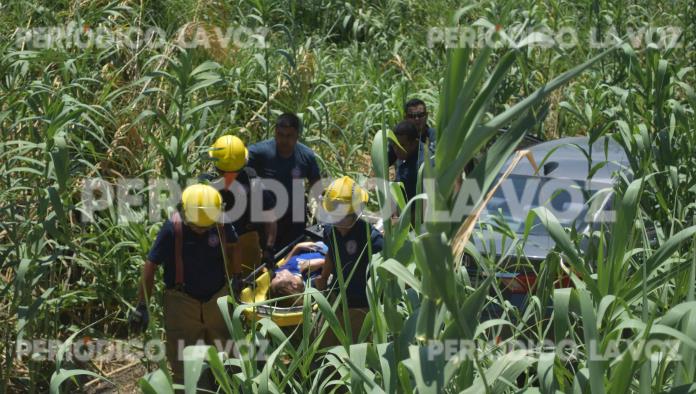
202	205
344	196
229	153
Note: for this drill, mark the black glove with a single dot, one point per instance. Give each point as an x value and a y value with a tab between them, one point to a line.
139	318
268	258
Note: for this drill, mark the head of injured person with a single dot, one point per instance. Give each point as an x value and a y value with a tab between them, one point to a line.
286	284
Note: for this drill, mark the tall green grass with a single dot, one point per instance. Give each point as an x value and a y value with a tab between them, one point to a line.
347	67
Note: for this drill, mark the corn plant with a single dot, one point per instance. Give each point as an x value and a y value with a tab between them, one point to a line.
68	114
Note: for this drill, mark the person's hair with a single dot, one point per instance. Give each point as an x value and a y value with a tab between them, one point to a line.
289	120
282	286
414	103
407	129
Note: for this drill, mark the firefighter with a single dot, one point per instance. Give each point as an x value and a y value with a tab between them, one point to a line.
234	179
349	239
192	247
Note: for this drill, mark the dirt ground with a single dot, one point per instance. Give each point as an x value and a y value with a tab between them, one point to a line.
125	381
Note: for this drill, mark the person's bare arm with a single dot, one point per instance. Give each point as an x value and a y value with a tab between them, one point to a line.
147	281
457	185
301	248
271	230
311	265
236	258
326	270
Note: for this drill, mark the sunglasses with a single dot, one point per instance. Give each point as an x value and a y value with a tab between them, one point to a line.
416	115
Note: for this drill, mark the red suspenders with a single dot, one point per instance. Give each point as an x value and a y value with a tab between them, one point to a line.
178	249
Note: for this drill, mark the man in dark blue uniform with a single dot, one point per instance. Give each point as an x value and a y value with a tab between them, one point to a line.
350	248
192	247
416	112
409	156
352	242
235	178
289	162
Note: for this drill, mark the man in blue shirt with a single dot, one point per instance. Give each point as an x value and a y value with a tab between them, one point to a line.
287	161
409	156
192	248
416	112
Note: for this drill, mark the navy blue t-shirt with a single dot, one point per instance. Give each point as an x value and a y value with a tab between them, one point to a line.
352	250
428	138
249	184
204	268
264	158
407	171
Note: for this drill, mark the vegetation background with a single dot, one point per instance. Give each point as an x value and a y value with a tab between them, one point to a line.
151	111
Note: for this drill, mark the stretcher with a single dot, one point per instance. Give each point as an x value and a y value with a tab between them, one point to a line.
259	282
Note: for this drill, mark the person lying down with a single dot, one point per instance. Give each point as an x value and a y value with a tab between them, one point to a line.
304	262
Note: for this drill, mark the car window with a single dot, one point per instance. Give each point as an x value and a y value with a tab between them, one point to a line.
518	195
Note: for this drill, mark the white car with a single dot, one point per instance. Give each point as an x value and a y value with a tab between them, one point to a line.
574	181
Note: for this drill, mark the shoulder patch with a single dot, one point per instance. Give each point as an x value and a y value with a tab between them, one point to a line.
351	247
296	172
213	240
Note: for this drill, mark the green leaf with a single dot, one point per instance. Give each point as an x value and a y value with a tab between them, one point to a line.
620	236
194	356
402	273
545	372
221	376
156	382
563	242
61	375
504	371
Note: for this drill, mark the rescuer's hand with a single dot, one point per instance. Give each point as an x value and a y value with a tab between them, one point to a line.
139	318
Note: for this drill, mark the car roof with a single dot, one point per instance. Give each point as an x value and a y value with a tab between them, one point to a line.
566	159
567	162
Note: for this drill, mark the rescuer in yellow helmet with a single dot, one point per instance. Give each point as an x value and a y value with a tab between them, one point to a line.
239	185
229	153
351	241
192	247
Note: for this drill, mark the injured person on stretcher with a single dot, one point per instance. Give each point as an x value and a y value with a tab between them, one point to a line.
303	263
